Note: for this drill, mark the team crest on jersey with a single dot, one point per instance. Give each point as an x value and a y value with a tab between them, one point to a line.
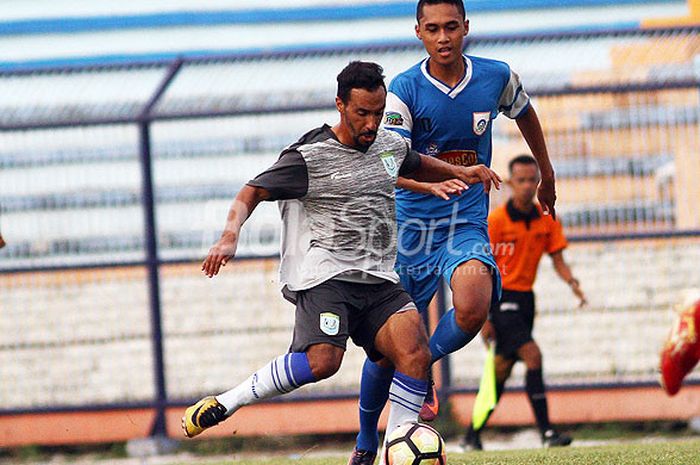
330	323
393	119
481	122
389	162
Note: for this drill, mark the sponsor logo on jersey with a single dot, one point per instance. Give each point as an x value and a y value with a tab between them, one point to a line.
459	157
393	119
337	176
481	122
330	323
390	164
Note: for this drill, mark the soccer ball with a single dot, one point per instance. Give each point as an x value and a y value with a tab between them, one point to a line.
414	443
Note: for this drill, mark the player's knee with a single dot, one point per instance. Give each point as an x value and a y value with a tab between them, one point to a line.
536	362
420	358
415	360
471	316
503	369
325	362
533	358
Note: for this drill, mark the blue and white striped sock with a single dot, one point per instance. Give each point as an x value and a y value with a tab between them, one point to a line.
406	396
281	376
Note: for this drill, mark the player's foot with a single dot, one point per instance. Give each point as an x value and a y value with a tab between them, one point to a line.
471	441
681	350
202	415
431	404
552	438
362	457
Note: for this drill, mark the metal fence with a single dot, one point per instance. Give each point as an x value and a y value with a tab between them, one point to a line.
114	180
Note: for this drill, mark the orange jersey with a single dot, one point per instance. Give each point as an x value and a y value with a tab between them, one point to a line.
518	242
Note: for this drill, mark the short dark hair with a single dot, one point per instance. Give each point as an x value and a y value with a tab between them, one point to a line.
523	160
360	75
458	3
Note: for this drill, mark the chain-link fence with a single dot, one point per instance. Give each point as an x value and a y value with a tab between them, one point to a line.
115	180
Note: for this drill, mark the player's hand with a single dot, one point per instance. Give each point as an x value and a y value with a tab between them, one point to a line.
480	174
547	196
488	333
223	251
446	188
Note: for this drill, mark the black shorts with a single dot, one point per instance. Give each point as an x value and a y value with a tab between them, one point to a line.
513	318
335	310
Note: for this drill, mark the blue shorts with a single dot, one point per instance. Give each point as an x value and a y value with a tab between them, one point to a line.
426	256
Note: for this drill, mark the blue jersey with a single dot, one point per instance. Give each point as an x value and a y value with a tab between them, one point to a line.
453	124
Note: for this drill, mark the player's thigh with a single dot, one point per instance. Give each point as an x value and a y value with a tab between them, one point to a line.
381	304
472	285
470	269
322	317
397	327
404	341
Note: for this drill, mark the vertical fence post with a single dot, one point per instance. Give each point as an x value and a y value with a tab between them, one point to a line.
446	375
152	265
152	260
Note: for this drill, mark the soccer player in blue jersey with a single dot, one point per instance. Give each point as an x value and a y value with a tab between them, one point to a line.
444	106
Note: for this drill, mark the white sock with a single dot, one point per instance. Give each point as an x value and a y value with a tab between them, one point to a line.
281	376
406	396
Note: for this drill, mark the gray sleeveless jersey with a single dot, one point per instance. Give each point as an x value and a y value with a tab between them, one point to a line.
342	217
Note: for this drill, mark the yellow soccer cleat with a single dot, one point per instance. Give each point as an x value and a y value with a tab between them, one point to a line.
204	414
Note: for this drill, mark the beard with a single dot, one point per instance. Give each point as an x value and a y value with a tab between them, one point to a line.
361	140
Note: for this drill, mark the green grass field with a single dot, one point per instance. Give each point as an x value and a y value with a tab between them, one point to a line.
684	452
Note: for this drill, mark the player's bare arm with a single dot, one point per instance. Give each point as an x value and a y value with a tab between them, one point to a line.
224	250
442	189
565	273
529	125
433	170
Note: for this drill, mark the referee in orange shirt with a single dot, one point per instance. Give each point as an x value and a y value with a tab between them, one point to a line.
520	234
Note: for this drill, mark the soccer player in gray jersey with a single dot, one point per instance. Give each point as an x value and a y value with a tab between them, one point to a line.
335	188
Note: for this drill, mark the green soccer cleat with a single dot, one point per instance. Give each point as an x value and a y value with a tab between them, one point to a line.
204	414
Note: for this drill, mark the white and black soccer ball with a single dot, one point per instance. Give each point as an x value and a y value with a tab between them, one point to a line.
414	443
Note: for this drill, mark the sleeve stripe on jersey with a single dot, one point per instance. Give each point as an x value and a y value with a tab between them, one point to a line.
515	99
522	111
403	133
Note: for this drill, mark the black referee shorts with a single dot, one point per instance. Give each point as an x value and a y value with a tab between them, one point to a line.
513	318
335	310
